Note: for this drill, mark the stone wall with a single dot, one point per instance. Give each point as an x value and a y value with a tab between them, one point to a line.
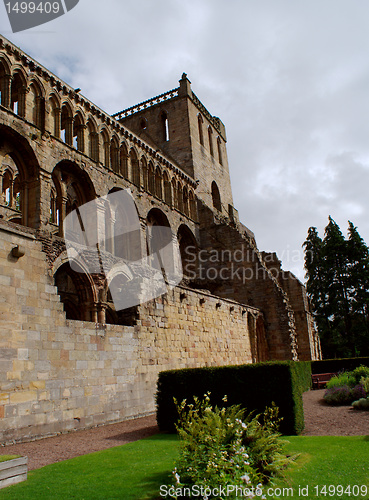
58	375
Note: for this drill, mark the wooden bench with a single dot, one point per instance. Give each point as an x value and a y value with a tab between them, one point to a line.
320	379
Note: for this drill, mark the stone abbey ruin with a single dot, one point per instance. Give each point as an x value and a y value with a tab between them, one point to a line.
69	358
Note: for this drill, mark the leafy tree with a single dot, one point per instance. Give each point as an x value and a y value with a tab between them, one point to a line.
337	272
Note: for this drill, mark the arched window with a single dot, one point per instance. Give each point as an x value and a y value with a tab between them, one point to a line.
79	133
93	141
220	156
143	124
126	245
180	196
5	78
216	196
74	188
164	126
192	205
185	201
210	136
151	179
135	168
189	252
106	147
158	183
167	189
54	117
36	106
123	154
200	122
114	154
144	173
66	125
18	94
76	291
159	241
7	189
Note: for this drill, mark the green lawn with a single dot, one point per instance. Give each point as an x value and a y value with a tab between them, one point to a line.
128	472
329	460
4	458
135	471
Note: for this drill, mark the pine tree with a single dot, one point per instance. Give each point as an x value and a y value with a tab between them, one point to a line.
316	287
316	277
335	252
359	284
337	272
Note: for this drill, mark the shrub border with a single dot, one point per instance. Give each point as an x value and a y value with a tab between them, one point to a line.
253	386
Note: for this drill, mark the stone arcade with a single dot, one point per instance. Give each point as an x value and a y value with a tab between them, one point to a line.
68	359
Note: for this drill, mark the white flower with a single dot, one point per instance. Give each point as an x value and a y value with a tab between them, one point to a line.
177	476
246	478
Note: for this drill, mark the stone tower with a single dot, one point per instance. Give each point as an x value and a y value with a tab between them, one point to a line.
180	125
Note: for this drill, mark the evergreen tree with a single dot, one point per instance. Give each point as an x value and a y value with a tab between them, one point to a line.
337	272
317	281
359	284
335	254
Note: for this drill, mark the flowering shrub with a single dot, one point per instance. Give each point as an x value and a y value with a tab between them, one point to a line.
338	395
348	386
220	446
357	392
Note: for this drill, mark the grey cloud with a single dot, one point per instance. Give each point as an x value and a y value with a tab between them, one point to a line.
289	79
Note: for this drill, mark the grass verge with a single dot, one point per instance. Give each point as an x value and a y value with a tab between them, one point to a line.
5	458
325	461
129	472
135	471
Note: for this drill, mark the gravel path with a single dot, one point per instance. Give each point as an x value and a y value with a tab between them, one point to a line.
55	449
320	420
324	420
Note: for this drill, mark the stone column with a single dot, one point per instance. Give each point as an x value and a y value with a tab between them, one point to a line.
61	202
57	122
5	91
44	200
23	91
69	131
101	313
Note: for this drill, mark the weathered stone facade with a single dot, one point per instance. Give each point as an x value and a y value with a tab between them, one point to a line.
69	359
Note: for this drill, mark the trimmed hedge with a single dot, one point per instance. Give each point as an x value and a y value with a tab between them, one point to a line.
337	365
253	386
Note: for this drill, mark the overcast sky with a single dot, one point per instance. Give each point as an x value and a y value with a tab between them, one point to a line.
290	80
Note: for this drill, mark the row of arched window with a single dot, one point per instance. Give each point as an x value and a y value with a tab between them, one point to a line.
68	193
79	292
200	122
28	101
